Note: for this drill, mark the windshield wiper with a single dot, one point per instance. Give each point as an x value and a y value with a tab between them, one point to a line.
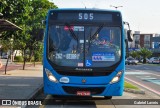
97	31
72	33
94	35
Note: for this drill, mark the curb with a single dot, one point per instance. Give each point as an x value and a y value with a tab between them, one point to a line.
34	94
134	91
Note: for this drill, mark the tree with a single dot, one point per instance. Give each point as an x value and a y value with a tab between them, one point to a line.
145	53
38	13
134	54
27	14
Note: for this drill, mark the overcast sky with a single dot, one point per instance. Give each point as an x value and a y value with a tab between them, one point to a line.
143	15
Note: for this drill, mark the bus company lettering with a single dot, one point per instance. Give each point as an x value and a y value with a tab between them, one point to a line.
83	69
64	80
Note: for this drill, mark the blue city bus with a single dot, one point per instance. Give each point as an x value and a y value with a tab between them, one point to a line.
84	53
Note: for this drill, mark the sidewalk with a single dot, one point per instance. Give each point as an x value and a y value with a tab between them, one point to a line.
21	84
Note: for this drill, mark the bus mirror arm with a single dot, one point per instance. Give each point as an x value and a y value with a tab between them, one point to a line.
127	51
129	32
43	22
130	35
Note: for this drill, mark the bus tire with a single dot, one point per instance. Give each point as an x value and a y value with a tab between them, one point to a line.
108	97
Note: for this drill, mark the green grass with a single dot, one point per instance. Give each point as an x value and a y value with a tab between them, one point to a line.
130	86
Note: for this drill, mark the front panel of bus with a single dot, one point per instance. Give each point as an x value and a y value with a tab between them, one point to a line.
83	53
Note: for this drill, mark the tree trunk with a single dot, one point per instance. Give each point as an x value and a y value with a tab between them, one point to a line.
24	59
34	58
30	55
6	65
144	60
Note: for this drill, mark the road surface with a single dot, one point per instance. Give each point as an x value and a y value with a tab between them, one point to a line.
147	76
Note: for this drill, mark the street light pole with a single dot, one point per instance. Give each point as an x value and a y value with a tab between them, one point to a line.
11	52
116	7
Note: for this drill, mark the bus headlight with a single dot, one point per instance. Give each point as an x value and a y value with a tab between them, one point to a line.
116	78
50	76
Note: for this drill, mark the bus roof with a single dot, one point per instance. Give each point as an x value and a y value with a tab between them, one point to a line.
72	15
84	9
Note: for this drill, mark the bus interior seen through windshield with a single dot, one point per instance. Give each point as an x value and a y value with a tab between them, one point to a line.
75	45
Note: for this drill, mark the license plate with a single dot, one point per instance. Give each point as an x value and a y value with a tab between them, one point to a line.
83	93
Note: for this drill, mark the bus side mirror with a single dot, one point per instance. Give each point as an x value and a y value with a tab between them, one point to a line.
130	35
43	22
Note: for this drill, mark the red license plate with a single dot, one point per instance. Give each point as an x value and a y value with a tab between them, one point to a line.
83	93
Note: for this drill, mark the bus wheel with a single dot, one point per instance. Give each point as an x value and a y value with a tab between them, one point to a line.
108	97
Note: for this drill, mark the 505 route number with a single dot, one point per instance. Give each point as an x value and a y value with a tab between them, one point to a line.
86	16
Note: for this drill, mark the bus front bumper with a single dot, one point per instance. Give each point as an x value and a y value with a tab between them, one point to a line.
115	89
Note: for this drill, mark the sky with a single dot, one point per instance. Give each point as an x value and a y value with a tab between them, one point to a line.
142	15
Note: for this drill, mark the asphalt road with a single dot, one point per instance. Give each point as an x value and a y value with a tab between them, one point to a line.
146	76
125	101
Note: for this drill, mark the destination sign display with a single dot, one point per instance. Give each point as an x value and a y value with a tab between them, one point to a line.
81	16
85	17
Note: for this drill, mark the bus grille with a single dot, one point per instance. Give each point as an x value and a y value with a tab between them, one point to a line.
93	90
84	73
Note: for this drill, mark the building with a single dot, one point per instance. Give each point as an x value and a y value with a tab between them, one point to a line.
150	41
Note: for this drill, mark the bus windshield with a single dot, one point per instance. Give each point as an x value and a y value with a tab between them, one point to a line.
80	45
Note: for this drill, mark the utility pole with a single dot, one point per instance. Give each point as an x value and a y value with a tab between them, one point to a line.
116	7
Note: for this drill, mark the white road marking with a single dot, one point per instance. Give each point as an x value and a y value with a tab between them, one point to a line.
155	74
139	73
155	81
147	77
136	73
143	78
